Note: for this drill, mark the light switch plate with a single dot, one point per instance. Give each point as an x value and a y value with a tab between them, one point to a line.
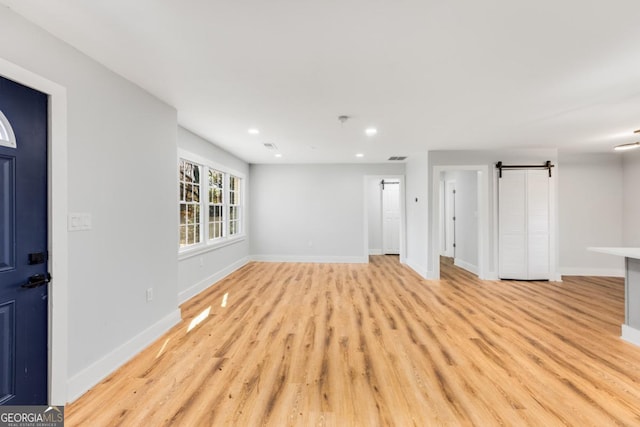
79	222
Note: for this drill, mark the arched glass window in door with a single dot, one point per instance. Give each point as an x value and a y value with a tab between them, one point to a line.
7	137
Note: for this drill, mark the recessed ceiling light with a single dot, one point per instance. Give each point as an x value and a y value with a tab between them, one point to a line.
630	146
254	131
371	131
359	155
278	155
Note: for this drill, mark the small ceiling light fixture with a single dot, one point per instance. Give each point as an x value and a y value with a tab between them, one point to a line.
359	155
629	146
343	118
254	131
278	155
371	131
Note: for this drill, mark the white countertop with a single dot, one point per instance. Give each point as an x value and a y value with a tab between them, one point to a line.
626	252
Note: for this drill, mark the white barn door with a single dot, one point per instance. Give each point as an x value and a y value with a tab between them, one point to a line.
523	225
391	217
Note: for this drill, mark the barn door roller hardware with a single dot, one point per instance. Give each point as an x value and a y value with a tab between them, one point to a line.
547	166
383	182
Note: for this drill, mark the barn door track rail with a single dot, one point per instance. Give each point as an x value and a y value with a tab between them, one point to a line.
500	166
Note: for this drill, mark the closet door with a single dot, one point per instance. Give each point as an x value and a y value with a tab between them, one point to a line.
523	225
538	224
512	227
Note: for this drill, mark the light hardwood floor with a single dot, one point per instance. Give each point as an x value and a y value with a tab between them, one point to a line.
369	345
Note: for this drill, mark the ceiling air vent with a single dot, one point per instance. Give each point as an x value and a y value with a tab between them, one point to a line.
270	146
397	158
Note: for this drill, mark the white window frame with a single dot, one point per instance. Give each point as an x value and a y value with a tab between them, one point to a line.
207	244
7	137
238	206
199	224
222	206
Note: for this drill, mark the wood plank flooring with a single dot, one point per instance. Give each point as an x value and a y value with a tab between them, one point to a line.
375	345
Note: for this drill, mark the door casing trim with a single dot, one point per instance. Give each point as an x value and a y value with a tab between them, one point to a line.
57	164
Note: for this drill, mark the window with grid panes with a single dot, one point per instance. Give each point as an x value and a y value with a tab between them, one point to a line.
234	205
189	203
211	210
216	204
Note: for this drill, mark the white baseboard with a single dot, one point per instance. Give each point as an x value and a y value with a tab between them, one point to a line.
421	270
491	276
81	382
466	265
579	271
556	277
375	251
431	275
311	259
215	277
631	335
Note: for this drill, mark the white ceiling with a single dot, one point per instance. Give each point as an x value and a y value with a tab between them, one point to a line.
429	74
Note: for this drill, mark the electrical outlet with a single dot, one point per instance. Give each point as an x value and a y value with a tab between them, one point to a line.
149	294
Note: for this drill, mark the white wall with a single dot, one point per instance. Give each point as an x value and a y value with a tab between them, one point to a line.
310	212
374	211
197	271
591	212
488	158
466	253
631	205
122	170
417	211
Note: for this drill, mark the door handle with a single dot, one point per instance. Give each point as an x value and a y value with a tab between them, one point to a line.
37	280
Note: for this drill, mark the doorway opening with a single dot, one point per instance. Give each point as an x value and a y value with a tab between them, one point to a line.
384	216
460	219
57	224
390	189
448	218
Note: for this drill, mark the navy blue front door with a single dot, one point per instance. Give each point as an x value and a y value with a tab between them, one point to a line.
23	246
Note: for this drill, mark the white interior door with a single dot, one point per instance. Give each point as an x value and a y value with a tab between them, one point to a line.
538	253
523	222
391	217
512	225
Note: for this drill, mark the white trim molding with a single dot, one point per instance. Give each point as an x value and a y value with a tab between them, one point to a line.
206	283
81	382
210	246
630	334
466	265
314	259
600	272
421	270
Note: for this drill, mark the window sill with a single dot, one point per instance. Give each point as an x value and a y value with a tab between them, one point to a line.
208	247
